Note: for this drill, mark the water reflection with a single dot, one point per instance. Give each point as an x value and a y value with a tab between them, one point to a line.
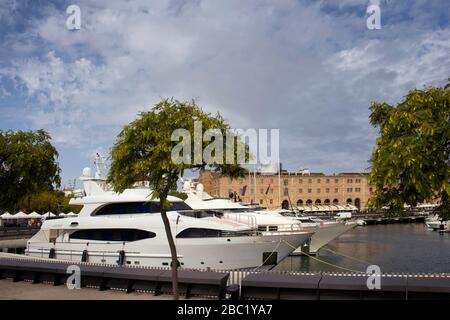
393	247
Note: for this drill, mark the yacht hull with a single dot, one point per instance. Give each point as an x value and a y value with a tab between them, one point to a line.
325	234
218	253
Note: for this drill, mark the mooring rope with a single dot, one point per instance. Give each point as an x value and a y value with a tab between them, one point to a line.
325	262
275	249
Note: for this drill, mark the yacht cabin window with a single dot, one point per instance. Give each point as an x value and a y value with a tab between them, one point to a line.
122	235
210	233
138	207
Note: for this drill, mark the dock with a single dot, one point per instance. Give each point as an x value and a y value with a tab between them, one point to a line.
14	239
46	274
380	218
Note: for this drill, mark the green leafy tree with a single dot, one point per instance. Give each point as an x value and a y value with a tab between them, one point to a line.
143	152
27	166
48	201
178	194
410	163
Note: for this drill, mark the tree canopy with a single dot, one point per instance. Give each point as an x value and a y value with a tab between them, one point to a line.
410	163
143	149
27	166
144	152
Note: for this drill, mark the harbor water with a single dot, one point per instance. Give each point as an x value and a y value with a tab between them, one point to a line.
395	248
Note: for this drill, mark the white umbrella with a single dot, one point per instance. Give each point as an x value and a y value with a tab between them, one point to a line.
6	215
20	215
34	215
72	214
62	214
49	214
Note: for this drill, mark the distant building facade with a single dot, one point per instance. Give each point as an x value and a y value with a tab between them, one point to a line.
297	188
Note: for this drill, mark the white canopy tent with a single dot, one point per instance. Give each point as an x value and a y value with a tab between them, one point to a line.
20	215
72	214
48	214
6	216
34	215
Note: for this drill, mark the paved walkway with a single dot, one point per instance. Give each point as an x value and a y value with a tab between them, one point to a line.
27	291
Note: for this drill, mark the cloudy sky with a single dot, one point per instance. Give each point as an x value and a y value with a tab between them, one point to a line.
310	68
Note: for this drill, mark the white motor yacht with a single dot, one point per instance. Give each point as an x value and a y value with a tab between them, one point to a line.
127	229
434	222
327	230
324	231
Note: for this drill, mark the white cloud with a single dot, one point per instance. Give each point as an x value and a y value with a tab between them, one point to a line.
263	64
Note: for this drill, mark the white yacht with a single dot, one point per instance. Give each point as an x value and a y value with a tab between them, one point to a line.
324	231
127	229
434	222
327	230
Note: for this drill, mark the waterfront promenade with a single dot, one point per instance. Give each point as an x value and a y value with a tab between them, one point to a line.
10	290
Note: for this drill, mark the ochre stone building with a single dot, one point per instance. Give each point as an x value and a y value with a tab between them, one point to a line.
297	188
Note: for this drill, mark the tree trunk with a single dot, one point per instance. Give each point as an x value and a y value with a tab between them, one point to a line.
173	249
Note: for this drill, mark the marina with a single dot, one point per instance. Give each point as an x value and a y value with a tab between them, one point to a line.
225	150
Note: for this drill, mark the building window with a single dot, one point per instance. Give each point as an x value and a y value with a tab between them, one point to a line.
285	192
300	180
357	189
318	180
309	190
260	201
309	180
349	190
300	190
285	182
358	180
349	180
318	190
336	190
327	190
336	180
261	180
271	201
327	180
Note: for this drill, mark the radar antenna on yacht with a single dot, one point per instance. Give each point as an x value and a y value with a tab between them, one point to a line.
100	166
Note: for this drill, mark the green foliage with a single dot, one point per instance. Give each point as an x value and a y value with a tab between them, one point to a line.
48	201
27	165
143	152
410	163
178	194
143	149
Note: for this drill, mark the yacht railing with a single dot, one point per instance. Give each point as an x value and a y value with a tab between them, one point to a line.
241	219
